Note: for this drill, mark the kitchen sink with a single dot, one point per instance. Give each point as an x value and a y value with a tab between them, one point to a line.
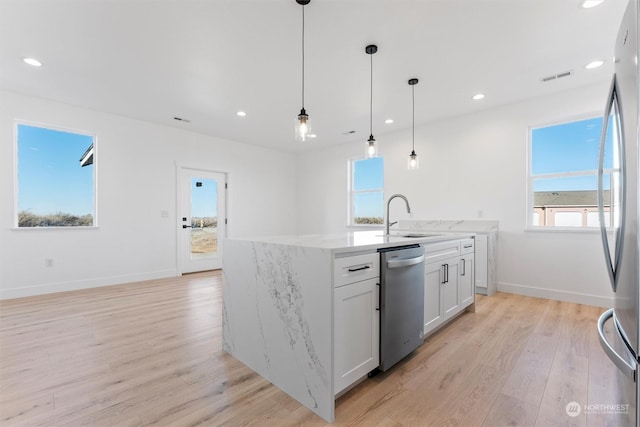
418	235
411	235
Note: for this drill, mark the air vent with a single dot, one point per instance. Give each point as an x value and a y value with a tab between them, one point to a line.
556	76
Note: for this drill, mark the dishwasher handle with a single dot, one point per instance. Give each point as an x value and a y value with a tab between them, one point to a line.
405	262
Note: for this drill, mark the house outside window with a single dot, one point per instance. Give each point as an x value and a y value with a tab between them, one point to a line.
55	175
366	191
563	175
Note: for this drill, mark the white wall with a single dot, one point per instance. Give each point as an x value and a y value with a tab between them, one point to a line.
471	163
136	166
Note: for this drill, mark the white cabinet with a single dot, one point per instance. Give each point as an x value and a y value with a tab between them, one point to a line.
482	270
355	268
356	320
467	268
467	271
449	281
433	307
450	288
441	292
486	245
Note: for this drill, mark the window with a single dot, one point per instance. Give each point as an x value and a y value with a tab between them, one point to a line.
563	175
55	178
366	199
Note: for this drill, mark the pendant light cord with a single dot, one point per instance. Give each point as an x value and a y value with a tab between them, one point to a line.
303	57
371	99
413	119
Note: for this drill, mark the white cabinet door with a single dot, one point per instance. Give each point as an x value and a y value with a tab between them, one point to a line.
433	308
467	271
450	289
481	265
356	332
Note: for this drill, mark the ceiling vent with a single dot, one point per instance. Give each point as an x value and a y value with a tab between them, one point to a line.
556	76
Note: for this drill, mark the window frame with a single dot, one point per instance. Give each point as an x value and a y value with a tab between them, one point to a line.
530	178
351	193
59	128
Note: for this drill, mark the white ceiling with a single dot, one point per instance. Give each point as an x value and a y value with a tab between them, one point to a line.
205	60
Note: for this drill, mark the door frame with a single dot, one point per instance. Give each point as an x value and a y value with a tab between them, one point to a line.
179	246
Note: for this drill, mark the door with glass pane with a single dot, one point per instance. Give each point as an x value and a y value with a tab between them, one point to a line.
201	220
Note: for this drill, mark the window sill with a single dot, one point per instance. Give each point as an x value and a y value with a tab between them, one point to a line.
89	227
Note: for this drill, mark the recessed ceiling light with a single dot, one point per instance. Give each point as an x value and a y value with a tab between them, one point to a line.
241	113
312	135
588	4
33	62
478	96
593	64
388	121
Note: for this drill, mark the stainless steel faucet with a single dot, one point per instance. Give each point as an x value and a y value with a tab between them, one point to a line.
389	224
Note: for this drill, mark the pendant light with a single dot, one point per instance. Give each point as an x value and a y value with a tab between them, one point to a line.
372	147
412	163
302	123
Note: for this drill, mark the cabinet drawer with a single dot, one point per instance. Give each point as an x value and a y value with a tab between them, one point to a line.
467	246
355	269
442	250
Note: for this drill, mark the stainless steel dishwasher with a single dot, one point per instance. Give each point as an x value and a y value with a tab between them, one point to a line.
401	303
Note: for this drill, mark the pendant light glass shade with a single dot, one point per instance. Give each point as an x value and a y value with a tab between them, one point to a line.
413	161
371	149
302	126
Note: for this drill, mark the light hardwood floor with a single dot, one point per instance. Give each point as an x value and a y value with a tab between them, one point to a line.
150	353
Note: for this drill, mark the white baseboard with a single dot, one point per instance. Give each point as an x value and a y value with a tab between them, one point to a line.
49	288
578	298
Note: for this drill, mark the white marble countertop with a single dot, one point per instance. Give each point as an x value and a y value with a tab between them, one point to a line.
354	240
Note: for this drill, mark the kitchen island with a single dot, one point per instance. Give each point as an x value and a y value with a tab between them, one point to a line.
281	316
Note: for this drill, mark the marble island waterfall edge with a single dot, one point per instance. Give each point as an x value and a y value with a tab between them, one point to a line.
277	317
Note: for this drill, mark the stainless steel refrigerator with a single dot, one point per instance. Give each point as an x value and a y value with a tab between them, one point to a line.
619	216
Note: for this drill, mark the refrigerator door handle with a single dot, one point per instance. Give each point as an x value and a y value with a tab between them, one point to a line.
612	264
618	360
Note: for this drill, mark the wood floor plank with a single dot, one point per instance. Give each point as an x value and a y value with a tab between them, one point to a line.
509	411
150	353
568	377
528	379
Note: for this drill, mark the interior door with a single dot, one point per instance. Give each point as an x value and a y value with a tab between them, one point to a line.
201	220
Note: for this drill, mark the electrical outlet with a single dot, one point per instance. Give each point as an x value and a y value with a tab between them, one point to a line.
480	213
164	214
48	262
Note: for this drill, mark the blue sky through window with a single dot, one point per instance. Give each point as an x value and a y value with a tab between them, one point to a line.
204	199
569	147
50	178
368	174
